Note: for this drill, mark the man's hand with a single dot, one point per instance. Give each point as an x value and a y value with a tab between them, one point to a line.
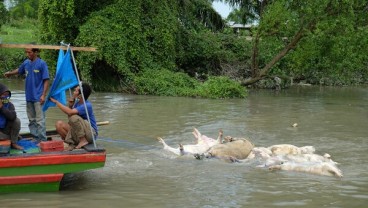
10	73
42	99
7	74
71	102
53	100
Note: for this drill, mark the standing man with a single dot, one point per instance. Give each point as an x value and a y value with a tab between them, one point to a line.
37	84
9	122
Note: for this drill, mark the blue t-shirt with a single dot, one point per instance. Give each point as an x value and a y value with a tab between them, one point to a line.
82	113
36	71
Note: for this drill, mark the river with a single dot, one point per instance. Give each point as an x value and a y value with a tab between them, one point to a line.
139	173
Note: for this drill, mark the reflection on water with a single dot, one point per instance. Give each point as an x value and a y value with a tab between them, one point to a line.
139	173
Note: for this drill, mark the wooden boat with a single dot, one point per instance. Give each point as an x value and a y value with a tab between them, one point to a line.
41	171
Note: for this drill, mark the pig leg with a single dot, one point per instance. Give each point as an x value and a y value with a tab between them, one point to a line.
167	147
197	135
181	148
219	138
274	167
228	159
334	171
200	139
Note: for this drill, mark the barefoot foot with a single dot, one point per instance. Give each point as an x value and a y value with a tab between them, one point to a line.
82	142
68	147
16	146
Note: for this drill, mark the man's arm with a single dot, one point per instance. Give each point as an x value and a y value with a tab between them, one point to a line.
45	89
9	113
11	73
65	109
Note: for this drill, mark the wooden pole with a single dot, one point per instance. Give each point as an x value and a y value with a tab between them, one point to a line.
53	132
102	123
54	47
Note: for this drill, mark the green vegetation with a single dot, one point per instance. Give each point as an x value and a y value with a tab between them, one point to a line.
20	31
164	82
182	48
16	31
221	87
25	9
3	14
319	41
142	47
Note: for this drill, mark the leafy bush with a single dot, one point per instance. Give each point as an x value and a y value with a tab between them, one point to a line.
164	82
221	87
167	83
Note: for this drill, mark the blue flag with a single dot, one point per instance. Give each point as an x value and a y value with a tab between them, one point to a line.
65	78
61	97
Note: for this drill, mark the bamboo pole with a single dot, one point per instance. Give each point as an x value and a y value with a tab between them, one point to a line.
102	123
54	47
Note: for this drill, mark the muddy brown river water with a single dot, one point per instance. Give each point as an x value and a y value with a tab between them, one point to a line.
139	173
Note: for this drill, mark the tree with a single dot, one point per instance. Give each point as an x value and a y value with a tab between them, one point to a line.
4	15
287	22
133	35
24	8
336	52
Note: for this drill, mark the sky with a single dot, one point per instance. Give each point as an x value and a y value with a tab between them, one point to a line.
222	8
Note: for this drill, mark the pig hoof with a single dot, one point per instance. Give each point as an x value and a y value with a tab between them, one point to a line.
233	159
181	148
160	139
198	156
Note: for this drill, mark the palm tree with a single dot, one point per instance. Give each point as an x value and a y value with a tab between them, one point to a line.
203	12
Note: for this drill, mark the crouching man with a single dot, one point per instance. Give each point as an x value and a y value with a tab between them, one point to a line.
9	122
77	132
